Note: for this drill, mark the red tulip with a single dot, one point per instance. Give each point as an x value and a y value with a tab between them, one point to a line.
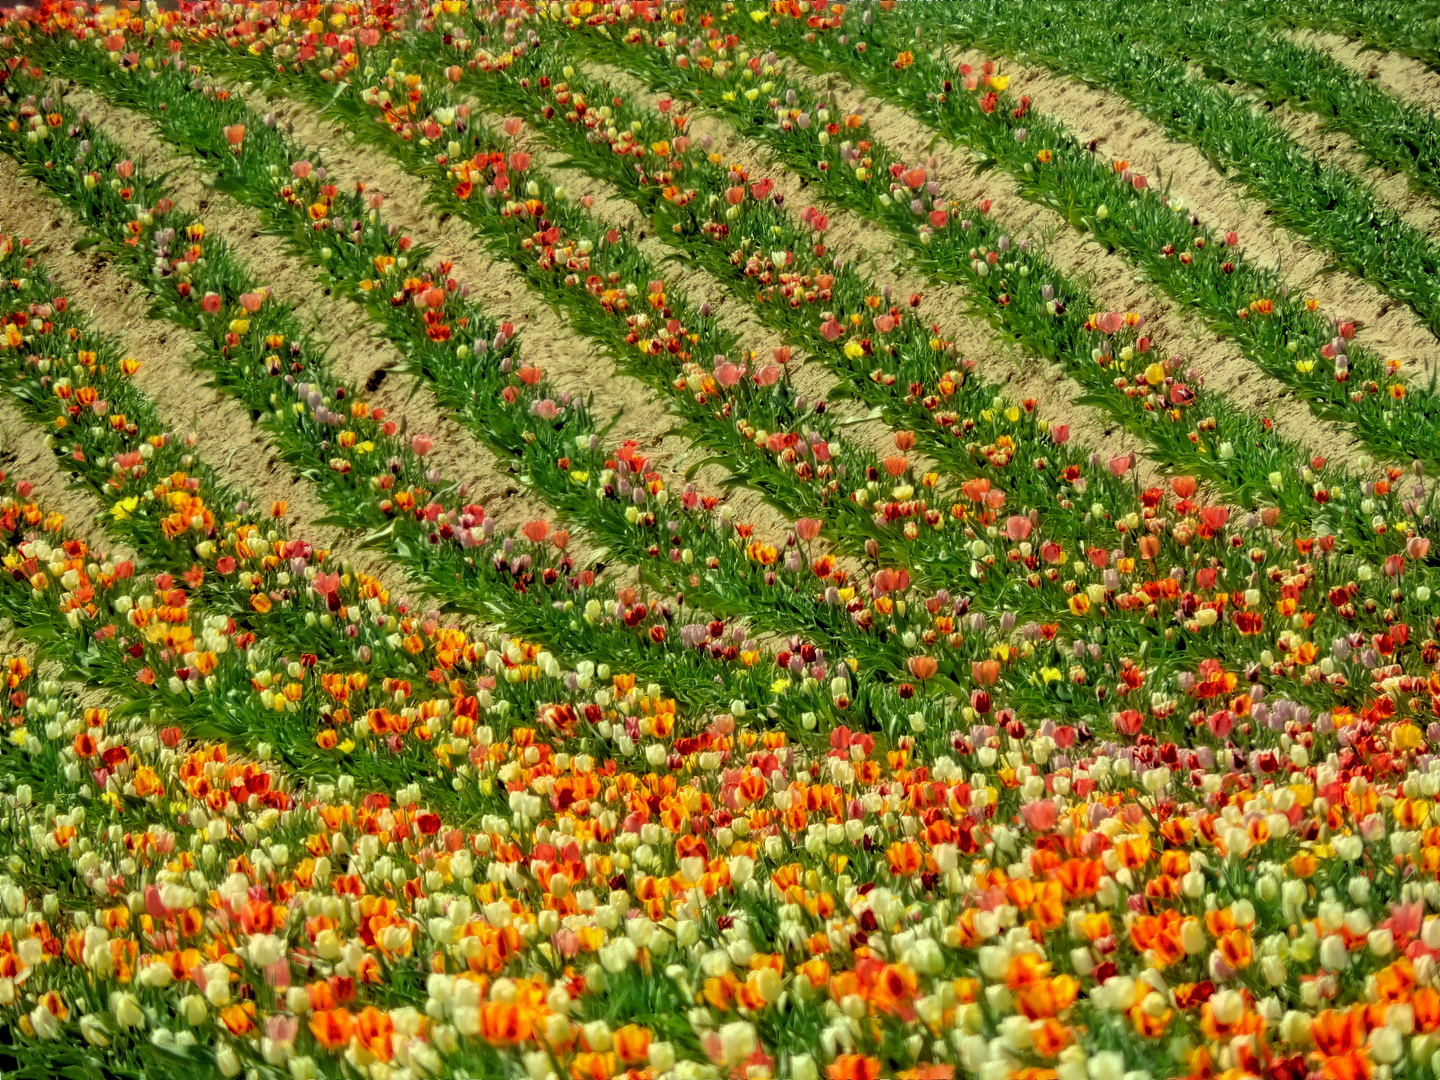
975	488
1215	517
1129	722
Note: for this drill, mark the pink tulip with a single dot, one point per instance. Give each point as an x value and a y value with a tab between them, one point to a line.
1110	322
300	169
453	72
211	302
938	219
767	375
1052	552
251	301
1120	463
519	161
1040	815
513	125
1060	433
727	374
421	444
1018	527
885	323
1417	547
808	528
821	450
831	330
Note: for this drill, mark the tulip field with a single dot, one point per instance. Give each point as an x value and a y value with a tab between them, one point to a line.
704	540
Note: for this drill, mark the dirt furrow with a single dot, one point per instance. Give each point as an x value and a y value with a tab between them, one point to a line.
1397	75
1334	147
1120	132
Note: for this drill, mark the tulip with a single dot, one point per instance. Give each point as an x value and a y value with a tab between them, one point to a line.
985	672
421	444
923	667
808	528
1215	517
1120	464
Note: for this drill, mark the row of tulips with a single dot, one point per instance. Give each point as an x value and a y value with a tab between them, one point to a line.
1199	266
1391	133
1386	26
1329	205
